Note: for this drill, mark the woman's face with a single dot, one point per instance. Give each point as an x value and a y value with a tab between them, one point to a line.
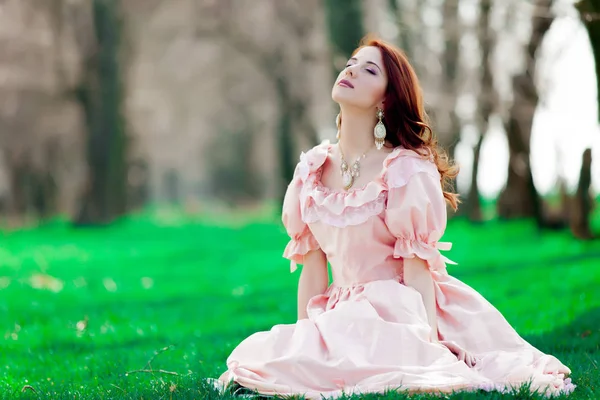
363	82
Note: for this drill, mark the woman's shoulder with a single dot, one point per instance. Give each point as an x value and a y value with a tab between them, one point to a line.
402	164
313	159
318	152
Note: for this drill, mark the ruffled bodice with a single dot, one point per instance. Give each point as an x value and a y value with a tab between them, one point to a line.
366	232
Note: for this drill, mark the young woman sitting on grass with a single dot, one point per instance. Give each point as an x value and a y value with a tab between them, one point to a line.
373	205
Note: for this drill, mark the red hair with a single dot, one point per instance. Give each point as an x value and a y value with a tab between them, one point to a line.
405	119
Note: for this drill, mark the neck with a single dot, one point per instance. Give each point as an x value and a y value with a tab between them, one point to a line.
356	134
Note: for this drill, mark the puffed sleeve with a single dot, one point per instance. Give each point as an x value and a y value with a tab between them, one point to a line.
301	238
416	216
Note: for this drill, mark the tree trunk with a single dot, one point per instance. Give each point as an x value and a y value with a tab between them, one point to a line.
448	122
487	103
45	191
19	177
519	199
100	95
589	10
33	192
582	203
294	119
473	203
284	135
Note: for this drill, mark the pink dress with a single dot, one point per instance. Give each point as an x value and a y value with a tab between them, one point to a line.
369	332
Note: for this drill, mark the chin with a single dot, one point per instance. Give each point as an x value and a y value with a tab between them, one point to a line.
335	94
348	99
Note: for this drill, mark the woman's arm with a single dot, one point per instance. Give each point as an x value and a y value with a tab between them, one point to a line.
418	276
314	279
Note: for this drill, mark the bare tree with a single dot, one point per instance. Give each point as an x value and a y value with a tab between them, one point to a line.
283	61
519	198
487	103
448	122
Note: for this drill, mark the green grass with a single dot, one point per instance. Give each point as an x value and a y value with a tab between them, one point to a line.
149	282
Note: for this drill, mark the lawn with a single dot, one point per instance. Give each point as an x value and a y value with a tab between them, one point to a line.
82	312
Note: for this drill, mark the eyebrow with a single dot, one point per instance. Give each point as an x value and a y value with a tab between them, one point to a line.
368	62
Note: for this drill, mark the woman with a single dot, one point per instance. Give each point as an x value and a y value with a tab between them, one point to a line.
373	206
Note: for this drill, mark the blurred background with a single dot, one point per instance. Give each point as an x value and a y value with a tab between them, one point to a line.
111	106
145	147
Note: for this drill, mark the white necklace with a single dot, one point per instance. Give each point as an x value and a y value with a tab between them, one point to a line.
349	174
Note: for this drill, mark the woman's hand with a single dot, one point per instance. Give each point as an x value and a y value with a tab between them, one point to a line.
460	353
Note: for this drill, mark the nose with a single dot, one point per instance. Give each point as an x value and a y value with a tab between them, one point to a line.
350	70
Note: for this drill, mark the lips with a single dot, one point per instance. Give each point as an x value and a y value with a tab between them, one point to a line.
346	83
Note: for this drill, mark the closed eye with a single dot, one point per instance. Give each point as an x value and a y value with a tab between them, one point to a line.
369	70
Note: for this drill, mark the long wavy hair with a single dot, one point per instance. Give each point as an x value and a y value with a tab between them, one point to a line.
405	119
